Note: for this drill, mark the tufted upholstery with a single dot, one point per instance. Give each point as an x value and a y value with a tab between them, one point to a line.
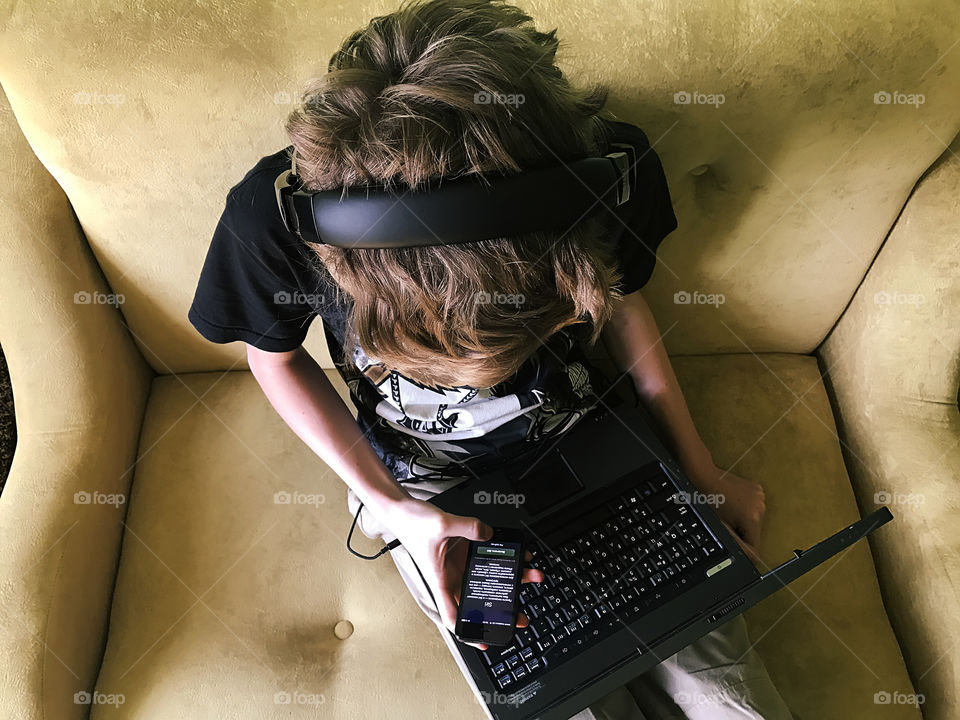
199	597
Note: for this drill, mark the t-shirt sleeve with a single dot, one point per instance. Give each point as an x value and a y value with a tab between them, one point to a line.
651	217
254	285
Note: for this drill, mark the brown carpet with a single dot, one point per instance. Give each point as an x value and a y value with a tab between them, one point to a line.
8	424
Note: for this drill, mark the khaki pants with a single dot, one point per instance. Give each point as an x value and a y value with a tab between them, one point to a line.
719	677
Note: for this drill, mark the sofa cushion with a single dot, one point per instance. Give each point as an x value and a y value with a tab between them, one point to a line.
226	598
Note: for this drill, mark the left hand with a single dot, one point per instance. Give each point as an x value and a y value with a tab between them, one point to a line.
741	505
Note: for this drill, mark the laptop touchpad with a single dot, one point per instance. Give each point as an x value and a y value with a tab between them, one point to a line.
544	482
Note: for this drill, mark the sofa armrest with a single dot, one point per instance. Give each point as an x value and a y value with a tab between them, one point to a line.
80	387
893	373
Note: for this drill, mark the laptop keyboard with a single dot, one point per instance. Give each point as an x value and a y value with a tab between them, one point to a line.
639	549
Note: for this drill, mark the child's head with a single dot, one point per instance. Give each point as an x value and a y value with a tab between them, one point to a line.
442	89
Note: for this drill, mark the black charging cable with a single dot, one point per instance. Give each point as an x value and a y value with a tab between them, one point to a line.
393	543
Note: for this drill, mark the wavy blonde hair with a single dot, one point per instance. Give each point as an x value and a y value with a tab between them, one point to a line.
399	106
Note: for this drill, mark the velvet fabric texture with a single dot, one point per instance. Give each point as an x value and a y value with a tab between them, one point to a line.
198	595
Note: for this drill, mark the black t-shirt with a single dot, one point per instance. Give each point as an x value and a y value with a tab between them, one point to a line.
262	285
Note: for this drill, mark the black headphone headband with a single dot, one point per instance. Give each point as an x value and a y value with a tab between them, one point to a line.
459	211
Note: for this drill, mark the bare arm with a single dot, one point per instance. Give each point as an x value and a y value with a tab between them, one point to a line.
303	395
634	344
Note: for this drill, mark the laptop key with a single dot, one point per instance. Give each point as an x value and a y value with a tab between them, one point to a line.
557	617
524	636
543	628
572	609
496	654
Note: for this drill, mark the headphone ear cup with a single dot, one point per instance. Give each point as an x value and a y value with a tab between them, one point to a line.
283	187
631	174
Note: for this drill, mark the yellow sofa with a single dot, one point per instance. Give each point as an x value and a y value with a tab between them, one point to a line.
146	571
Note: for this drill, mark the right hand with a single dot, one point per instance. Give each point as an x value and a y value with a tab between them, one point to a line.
748	548
438	542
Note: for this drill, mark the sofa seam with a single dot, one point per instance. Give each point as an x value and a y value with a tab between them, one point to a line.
123	538
46	632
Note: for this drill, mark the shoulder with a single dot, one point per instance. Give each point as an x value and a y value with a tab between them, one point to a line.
252	213
619	131
254	197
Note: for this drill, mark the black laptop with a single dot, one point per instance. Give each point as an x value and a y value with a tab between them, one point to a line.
637	564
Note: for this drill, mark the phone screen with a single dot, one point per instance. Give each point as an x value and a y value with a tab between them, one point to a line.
488	596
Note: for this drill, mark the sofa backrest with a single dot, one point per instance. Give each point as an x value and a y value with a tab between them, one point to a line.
790	137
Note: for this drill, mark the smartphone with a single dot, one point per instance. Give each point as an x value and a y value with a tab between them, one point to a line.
491	585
